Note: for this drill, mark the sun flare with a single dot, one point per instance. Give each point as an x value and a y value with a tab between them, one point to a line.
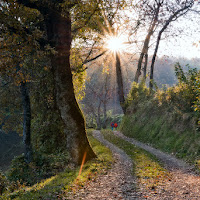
114	44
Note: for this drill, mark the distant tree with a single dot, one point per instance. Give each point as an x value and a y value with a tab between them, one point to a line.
149	10
120	84
179	9
98	94
157	15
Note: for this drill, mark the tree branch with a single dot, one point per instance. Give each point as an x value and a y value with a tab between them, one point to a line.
88	19
92	59
29	4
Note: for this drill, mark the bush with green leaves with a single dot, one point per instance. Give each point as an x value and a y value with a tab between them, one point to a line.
166	118
138	94
184	96
3	183
42	166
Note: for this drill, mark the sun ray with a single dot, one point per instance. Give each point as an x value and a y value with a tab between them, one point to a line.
114	44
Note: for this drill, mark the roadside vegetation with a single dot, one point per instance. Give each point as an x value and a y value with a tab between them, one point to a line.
58	185
167	118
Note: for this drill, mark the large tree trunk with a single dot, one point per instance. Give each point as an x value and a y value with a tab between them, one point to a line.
27	121
120	83
59	35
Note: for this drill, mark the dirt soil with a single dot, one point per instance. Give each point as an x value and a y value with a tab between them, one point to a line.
119	183
184	182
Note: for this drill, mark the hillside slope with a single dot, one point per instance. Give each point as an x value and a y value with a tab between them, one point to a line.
169	130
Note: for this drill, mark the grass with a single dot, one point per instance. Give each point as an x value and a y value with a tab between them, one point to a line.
164	131
56	187
147	169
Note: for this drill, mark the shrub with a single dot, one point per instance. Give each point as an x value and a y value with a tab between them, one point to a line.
42	166
3	183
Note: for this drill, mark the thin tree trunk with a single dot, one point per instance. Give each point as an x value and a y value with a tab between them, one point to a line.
105	101
174	15
144	51
146	44
104	114
27	121
99	116
145	67
153	61
120	83
59	35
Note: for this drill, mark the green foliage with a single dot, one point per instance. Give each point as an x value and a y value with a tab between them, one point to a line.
3	183
79	84
48	135
117	118
41	167
182	96
171	132
197	89
138	93
167	119
70	180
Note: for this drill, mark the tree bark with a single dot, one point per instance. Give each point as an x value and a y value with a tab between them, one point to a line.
104	114
59	36
146	44
171	18
98	117
120	83
153	61
145	67
144	51
105	101
27	122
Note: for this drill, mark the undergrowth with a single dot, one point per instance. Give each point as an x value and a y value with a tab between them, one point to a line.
147	169
58	186
167	118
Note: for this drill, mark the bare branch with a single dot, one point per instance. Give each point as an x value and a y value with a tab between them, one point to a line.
92	59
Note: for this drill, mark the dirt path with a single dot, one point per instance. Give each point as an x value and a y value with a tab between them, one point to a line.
169	161
184	183
117	184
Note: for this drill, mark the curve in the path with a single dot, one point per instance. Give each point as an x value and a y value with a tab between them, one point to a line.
124	182
169	161
117	183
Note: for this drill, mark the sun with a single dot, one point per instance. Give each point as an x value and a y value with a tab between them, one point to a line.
114	44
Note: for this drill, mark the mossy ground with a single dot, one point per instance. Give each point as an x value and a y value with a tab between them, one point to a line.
57	186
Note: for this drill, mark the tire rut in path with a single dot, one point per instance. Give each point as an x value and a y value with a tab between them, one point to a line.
117	184
183	184
169	161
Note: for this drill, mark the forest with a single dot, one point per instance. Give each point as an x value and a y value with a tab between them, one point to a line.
71	68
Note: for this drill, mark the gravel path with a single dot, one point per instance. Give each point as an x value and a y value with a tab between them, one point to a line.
169	161
184	182
118	183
